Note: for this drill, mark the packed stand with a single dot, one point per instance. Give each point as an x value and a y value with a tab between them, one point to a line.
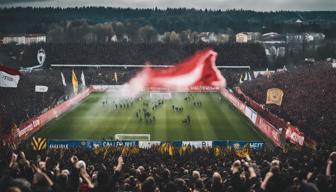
309	98
21	103
149	170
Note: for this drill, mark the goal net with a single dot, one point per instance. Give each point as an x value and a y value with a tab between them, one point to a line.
160	95
131	137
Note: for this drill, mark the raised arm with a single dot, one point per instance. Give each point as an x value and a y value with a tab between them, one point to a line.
13	160
330	161
264	183
38	171
251	170
120	164
86	177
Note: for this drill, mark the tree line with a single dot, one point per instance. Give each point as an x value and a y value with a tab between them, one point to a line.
41	20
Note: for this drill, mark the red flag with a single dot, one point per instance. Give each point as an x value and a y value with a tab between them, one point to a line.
199	70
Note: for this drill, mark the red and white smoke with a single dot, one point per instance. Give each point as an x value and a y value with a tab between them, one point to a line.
198	70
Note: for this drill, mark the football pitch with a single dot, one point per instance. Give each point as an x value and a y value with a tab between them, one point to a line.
184	116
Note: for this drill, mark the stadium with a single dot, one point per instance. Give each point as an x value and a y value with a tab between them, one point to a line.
109	99
156	114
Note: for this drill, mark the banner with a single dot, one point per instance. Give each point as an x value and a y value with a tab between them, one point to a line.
197	144
256	145
266	73
251	114
9	77
74	83
233	100
90	144
28	126
148	144
268	129
274	96
164	146
41	88
118	143
63	144
294	136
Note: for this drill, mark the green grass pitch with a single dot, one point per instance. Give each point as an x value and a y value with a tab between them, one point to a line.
216	119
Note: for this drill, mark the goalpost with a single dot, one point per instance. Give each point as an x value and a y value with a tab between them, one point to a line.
132	137
160	95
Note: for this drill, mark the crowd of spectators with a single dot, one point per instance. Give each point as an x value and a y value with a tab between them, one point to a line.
149	170
308	101
21	103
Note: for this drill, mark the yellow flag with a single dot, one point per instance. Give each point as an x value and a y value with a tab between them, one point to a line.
217	151
227	150
74	82
170	150
124	151
183	150
163	148
180	151
274	96
39	143
242	153
135	150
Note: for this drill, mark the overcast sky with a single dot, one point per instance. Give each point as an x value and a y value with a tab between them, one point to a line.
260	5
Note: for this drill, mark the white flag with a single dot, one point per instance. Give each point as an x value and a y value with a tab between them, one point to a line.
9	77
284	68
246	77
83	79
63	79
41	88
